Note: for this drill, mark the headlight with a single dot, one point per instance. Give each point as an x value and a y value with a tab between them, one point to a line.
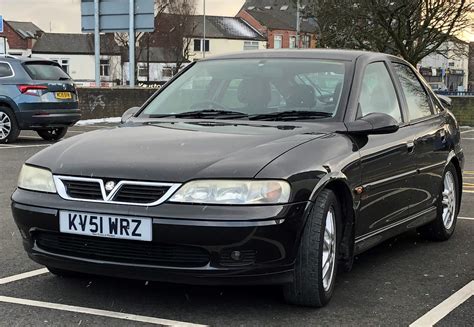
36	179
233	192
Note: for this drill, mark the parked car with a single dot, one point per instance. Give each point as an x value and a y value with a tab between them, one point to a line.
35	94
250	176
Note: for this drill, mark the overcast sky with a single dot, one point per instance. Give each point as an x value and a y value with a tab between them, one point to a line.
65	15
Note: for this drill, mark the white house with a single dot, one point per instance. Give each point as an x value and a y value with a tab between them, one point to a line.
75	53
224	35
451	69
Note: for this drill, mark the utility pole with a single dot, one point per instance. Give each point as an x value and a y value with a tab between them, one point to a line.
204	30
298	21
131	43
97	43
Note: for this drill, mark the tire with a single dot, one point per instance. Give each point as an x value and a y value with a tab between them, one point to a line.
308	287
9	130
65	273
52	134
442	228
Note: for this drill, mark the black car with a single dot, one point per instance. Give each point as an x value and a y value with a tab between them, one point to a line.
35	94
268	167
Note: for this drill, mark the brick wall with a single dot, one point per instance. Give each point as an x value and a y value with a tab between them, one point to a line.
463	109
110	102
14	40
286	34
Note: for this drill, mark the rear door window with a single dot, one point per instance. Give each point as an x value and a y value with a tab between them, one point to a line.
45	71
417	99
5	70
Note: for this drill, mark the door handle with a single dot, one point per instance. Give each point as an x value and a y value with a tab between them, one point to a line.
410	146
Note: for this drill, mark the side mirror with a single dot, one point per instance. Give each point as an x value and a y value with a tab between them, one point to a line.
129	114
446	101
374	123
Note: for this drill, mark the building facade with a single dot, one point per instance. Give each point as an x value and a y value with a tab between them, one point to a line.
277	20
18	38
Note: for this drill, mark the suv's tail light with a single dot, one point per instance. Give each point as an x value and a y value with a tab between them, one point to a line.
32	89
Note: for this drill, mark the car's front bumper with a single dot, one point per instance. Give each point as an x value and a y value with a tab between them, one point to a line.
269	235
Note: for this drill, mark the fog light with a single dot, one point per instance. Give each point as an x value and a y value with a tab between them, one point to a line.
236	255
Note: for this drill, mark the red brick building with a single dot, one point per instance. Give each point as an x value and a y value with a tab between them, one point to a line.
276	19
20	37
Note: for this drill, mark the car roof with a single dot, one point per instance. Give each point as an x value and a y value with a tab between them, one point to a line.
9	58
347	55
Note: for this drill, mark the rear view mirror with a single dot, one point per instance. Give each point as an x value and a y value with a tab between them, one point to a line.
129	114
374	123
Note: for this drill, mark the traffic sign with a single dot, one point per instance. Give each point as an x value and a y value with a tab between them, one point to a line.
1	24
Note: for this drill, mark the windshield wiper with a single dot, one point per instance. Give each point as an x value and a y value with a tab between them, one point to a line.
291	115
205	113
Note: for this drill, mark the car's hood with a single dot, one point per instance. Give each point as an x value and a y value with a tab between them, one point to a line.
176	151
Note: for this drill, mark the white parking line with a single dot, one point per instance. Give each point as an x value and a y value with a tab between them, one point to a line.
23	276
466	218
97	312
468	131
445	307
4	147
468	138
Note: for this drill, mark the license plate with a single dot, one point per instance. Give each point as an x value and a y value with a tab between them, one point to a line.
111	226
63	95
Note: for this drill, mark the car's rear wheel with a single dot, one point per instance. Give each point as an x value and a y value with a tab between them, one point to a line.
52	134
443	227
316	263
9	130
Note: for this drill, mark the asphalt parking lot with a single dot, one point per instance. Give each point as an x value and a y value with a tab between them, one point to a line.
402	281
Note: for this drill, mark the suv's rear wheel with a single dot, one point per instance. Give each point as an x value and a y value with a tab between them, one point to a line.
9	130
52	134
316	263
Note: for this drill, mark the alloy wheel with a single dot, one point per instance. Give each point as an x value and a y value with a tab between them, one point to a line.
329	250
449	200
5	125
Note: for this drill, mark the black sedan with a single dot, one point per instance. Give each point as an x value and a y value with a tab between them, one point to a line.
269	167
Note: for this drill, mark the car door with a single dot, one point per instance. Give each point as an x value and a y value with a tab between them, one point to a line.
429	126
387	162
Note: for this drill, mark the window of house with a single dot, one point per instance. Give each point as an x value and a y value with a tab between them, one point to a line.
5	70
378	92
277	41
250	45
198	45
306	41
415	94
292	42
142	70
104	68
167	72
64	65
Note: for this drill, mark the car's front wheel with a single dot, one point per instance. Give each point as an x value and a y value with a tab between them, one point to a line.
316	263
443	226
9	130
52	134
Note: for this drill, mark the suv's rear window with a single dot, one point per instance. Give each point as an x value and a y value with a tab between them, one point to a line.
45	71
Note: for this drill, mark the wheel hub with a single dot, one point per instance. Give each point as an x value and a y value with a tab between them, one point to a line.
5	125
448	200
329	250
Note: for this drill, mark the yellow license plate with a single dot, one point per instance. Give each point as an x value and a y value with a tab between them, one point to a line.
63	95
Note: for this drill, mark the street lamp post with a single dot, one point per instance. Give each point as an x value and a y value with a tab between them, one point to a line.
298	21
204	30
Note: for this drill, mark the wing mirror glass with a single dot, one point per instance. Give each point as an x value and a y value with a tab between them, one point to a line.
374	123
129	114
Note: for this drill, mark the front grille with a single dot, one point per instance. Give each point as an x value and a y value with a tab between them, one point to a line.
124	251
83	190
140	193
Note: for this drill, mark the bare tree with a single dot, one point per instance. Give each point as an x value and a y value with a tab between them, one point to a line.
174	30
412	29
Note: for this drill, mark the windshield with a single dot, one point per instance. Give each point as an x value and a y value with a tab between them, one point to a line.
253	87
45	71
